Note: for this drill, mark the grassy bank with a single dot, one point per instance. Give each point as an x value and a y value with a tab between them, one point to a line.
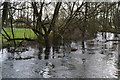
19	33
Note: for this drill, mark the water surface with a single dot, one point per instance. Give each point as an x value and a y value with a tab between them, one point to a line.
98	59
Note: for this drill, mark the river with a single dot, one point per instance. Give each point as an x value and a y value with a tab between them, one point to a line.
98	59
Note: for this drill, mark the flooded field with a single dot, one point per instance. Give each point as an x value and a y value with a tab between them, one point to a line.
98	59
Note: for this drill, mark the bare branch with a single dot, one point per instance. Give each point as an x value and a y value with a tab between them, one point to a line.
56	11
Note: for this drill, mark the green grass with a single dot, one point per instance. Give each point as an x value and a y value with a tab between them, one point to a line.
20	33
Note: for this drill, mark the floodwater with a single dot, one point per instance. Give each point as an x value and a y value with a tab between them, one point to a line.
98	59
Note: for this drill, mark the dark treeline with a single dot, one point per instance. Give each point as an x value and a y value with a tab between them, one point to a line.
53	22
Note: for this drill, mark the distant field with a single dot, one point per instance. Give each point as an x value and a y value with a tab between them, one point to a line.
20	33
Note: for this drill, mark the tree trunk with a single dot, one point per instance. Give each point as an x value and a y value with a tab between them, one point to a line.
83	36
47	45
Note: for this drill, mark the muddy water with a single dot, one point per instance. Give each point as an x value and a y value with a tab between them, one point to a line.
99	59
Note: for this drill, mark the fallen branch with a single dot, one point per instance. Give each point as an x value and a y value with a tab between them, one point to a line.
111	40
27	39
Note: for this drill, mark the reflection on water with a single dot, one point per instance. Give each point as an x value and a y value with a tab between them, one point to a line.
98	59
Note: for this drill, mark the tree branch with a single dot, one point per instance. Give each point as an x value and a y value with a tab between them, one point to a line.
55	15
